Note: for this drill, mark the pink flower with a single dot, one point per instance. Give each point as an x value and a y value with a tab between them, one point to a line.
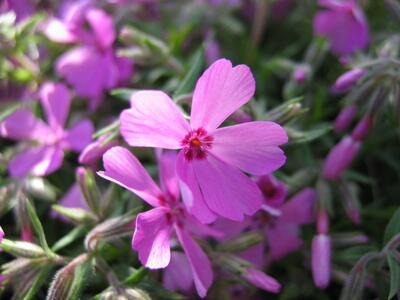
340	157
345	117
343	23
73	198
154	228
321	260
22	8
211	159
91	68
47	141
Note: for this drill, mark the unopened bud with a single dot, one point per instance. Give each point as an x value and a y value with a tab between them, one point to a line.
349	239
301	73
362	128
75	215
350	201
94	151
89	189
40	188
347	80
344	118
321	260
261	280
126	294
21	248
340	158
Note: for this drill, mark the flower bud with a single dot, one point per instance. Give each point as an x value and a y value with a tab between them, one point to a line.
322	222
321	260
240	116
362	127
340	157
94	151
40	188
89	188
2	234
242	242
301	73
349	239
74	215
261	280
21	248
344	118
347	80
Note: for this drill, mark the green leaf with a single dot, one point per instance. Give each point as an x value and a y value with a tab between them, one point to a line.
298	137
69	238
192	75
37	226
393	227
136	276
394	268
81	276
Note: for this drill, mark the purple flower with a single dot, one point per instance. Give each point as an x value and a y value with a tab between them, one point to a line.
348	80
22	8
211	159
343	23
91	68
48	142
177	275
262	280
95	150
340	157
321	260
345	117
363	127
154	228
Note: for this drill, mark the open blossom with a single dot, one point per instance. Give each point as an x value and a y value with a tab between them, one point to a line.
343	23
92	67
154	228
48	142
211	160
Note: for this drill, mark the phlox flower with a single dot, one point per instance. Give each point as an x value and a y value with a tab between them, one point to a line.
47	142
344	24
155	227
211	160
92	67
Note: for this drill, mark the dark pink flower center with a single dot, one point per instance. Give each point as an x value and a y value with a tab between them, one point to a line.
196	144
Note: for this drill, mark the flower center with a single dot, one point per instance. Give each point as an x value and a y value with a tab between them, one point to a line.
196	144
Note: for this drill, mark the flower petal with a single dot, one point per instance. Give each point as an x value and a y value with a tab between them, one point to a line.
40	161
226	190
56	101
199	262
168	179
191	193
23	125
79	136
252	146
153	121
300	209
151	238
102	26
177	275
219	92
58	32
123	168
283	238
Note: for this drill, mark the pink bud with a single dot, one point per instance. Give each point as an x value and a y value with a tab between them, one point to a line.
1	234
340	157
94	151
322	222
301	73
321	260
261	280
27	234
344	118
362	127
348	79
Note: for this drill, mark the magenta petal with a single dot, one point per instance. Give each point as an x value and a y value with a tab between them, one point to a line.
177	275
252	147
300	209
79	136
190	191
40	161
94	151
255	254
168	179
226	190
153	121
151	238
56	101
262	280
123	168
198	260
219	92
86	69
102	26
23	125
283	238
